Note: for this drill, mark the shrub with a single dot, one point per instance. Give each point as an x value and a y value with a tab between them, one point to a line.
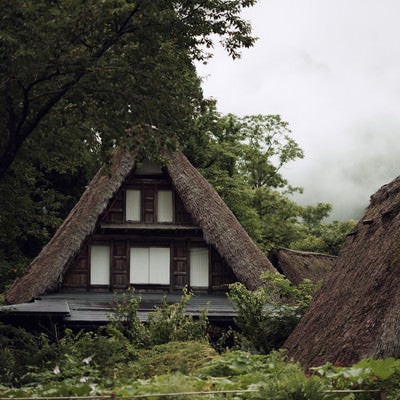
166	323
367	374
268	315
182	357
20	349
125	320
169	322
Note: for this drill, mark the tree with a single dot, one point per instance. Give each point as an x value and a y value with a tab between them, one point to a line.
107	69
266	316
319	236
37	193
242	159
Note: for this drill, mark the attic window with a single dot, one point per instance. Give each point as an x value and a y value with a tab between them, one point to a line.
133	205
164	206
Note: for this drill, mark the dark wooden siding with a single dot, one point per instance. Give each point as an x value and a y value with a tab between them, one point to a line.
78	273
148	201
119	265
124	235
221	274
180	265
115	213
77	276
182	217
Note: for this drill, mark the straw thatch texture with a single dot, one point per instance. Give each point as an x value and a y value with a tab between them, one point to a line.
356	312
47	268
300	265
220	227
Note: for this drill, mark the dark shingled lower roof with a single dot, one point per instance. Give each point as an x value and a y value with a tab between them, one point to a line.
88	308
220	227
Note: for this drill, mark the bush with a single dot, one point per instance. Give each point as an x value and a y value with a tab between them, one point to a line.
125	320
267	316
367	374
170	323
20	349
183	357
166	323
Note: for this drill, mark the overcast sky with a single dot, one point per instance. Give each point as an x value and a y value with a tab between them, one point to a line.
332	70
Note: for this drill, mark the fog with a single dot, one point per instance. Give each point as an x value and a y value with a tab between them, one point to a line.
330	69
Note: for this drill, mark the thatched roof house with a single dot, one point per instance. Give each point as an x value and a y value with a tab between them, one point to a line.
299	265
93	221
356	312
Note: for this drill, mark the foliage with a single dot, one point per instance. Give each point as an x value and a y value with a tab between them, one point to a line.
242	157
319	236
167	323
126	321
194	367
77	78
36	194
19	350
183	357
107	69
267	315
368	374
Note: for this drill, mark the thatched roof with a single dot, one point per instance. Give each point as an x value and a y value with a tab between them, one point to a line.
299	265
356	312
220	227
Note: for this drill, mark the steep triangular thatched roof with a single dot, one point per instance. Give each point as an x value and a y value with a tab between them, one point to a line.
219	225
299	265
356	312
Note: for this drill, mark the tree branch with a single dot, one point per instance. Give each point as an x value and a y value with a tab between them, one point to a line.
24	128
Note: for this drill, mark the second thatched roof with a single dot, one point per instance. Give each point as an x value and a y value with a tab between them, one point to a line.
356	312
299	265
220	227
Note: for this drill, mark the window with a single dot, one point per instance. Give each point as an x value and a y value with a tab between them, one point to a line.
140	205
164	206
99	265
133	205
150	265
199	267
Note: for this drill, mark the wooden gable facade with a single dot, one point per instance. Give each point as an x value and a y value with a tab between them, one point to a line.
139	225
145	238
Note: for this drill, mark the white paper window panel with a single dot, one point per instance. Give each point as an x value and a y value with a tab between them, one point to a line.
159	265
133	206
150	265
139	265
199	267
99	265
164	206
